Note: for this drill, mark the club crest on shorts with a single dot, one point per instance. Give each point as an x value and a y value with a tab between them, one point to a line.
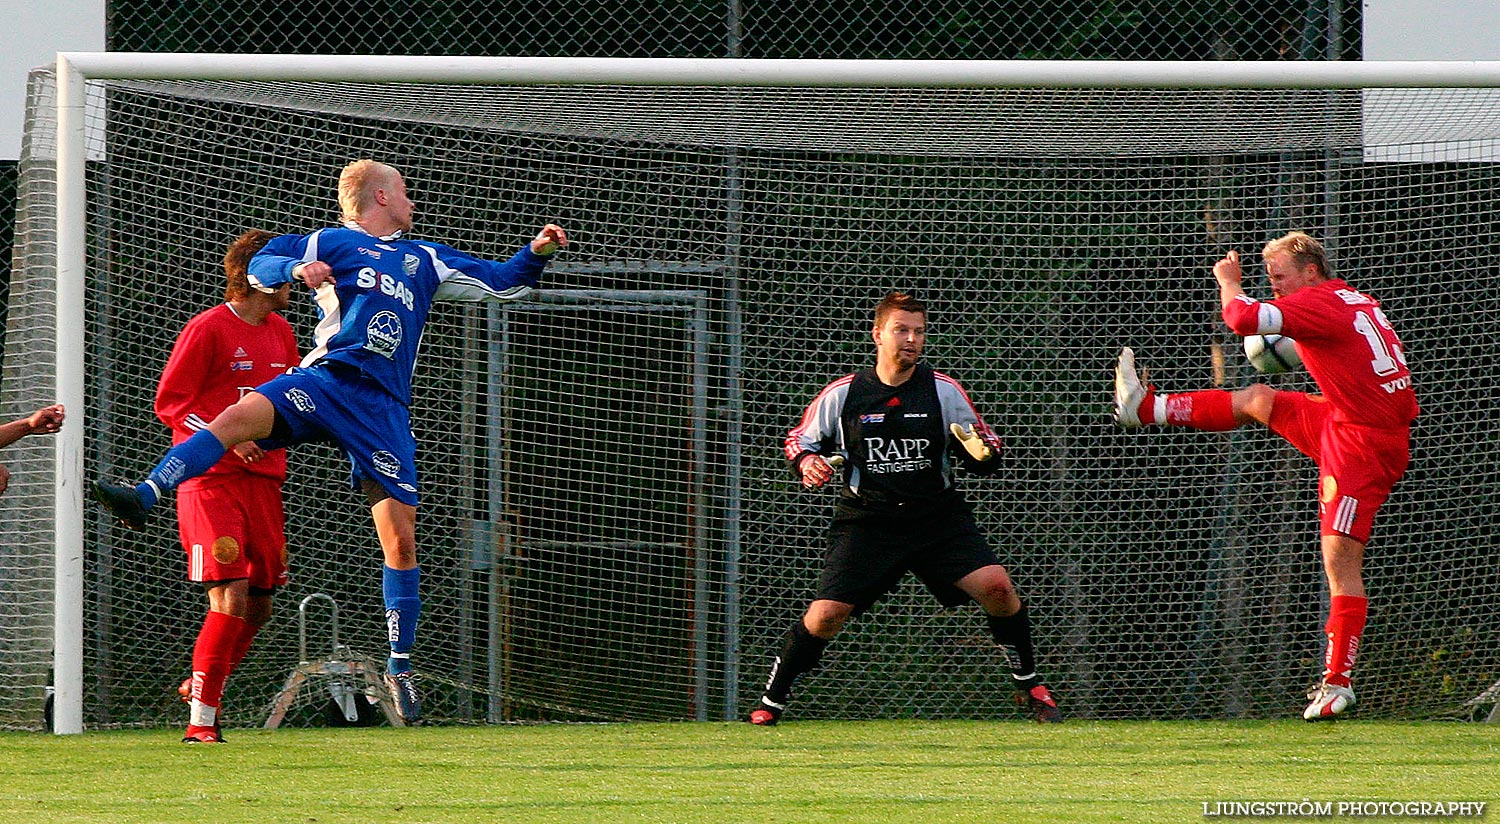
386	464
226	550
383	333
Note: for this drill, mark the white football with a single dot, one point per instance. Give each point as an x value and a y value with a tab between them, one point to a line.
1272	354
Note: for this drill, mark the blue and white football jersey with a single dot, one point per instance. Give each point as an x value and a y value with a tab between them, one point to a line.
373	314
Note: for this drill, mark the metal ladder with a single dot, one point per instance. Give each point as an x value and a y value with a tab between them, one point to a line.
347	674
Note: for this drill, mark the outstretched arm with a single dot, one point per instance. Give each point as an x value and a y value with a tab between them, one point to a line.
470	279
44	421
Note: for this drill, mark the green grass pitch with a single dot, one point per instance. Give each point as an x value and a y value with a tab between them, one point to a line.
876	771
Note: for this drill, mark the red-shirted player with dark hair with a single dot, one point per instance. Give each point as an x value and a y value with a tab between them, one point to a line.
231	518
1358	431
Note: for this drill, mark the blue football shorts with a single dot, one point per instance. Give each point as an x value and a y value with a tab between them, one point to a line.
333	403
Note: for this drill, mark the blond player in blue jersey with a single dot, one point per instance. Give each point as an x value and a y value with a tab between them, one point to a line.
374	288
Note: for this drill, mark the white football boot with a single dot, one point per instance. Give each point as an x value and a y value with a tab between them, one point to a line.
1130	391
1328	702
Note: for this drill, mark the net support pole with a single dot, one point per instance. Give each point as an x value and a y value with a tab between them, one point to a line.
697	325
68	501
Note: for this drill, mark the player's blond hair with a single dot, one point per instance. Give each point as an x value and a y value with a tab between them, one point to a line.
1303	249
357	184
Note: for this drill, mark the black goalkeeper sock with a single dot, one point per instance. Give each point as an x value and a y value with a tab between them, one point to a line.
800	653
1013	634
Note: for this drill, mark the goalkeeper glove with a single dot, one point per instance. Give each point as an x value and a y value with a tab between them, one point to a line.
971	442
817	469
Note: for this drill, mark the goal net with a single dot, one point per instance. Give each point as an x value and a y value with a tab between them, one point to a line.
608	530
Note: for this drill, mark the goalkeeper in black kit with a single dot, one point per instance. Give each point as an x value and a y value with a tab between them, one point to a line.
896	432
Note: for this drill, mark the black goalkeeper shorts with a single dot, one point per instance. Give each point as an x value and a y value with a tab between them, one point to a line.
869	552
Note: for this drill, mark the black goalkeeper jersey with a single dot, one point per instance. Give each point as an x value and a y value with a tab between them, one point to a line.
895	439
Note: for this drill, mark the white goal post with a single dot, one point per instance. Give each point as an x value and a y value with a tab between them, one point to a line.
75	70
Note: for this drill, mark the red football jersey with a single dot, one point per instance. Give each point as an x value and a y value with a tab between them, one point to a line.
1347	344
216	360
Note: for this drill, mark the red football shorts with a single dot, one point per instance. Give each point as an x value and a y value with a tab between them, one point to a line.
1357	465
235	530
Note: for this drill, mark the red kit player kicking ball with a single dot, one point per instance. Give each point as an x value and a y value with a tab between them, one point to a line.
1358	430
230	518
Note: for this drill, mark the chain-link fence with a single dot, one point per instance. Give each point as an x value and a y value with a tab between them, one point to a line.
581	553
1162	30
1159	30
7	237
907	29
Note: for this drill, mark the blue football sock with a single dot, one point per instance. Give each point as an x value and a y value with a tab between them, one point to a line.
189	459
403	606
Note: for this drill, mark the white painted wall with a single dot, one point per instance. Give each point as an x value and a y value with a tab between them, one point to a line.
32	32
1430	30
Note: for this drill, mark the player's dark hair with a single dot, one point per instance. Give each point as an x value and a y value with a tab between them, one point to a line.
897	301
237	262
1304	249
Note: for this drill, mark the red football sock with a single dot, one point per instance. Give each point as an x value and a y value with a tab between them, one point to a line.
241	646
1346	621
1211	410
211	655
1147	410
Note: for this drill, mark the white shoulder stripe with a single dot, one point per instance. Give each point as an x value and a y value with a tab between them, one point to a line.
819	419
832	393
456	285
459	286
444	271
945	381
